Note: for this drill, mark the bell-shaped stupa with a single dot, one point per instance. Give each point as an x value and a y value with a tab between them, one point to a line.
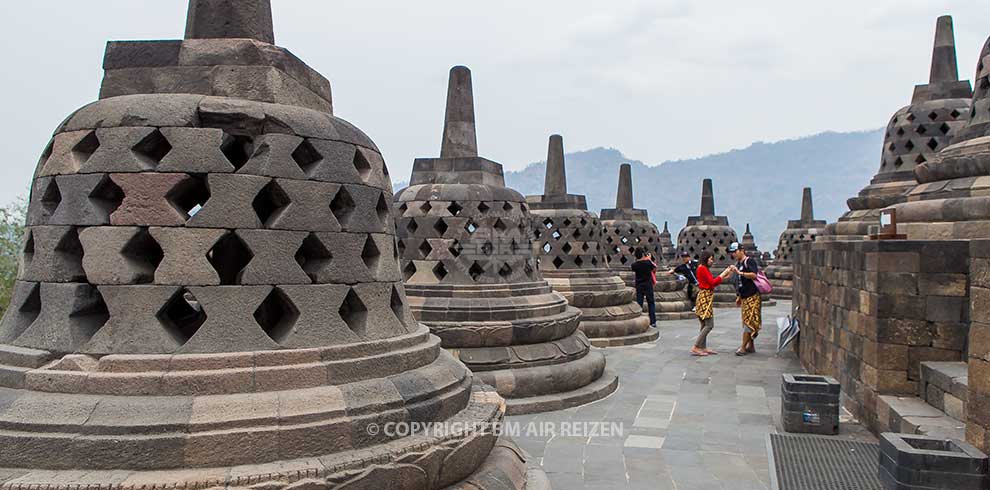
567	241
209	295
708	232
951	199
806	229
626	229
667	248
913	137
466	249
749	245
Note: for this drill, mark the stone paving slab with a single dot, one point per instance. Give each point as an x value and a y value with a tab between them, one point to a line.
686	422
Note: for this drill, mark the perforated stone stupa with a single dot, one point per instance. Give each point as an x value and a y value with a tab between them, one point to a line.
567	240
209	295
710	233
749	245
625	229
913	137
466	244
667	248
807	229
950	201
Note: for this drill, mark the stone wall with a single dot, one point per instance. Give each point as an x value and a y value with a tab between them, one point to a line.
872	311
978	408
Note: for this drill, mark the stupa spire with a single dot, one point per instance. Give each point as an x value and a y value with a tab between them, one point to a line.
944	65
807	207
460	139
707	199
624	195
556	178
235	19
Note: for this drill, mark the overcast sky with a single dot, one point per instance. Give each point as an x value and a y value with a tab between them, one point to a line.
659	80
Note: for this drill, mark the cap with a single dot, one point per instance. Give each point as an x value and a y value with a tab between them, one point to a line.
685	254
733	247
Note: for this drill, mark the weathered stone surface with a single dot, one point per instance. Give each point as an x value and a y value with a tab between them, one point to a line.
146	200
184	260
119	255
229	203
273	260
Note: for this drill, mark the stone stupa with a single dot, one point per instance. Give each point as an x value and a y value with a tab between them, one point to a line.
807	229
626	229
749	245
913	137
466	249
951	199
209	296
667	248
567	240
710	233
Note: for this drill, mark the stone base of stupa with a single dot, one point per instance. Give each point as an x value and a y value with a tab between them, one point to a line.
609	313
670	295
521	338
782	279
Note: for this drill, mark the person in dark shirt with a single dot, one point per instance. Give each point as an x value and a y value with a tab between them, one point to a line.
748	297
689	270
645	270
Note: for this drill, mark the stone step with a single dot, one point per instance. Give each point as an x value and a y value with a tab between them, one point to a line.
22	357
912	415
945	386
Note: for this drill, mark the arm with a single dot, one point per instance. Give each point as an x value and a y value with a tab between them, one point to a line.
750	265
705	279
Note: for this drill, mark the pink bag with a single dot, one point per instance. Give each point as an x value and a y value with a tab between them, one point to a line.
762	283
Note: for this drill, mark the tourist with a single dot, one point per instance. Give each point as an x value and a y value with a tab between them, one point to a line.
748	297
705	308
645	270
688	270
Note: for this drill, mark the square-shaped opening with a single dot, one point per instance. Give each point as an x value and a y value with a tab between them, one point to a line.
940	445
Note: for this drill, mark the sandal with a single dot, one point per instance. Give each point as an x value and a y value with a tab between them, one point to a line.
711	352
699	353
741	353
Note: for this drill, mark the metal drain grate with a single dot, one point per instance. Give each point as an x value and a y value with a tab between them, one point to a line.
822	463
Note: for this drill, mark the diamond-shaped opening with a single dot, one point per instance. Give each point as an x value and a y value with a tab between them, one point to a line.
624	240
548	223
578	261
440	226
152	149
270	202
471	227
507	206
370	254
85	147
237	148
425	249
31	307
342	206
307	157
945	128
402	209
412	226
408	271
955	113
909	145
609	240
397	305
499	225
455	249
577	234
52	197
557	262
933	115
229	257
313	256
900	131
354	313
556	234
190	195
454	209
182	316
476	271
505	271
623	259
567	248
933	144
921	159
361	164
400	248
144	254
483	208
898	161
381	209
910	117
921	129
440	271
70	250
487	248
27	250
425	207
537	234
594	260
547	248
106	195
585	246
277	315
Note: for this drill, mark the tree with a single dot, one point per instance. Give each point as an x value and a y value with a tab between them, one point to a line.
11	236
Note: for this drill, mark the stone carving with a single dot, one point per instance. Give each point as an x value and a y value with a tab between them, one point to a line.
567	240
807	229
625	229
710	233
466	249
914	136
209	295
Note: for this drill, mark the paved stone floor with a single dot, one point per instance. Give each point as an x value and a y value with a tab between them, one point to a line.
687	422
